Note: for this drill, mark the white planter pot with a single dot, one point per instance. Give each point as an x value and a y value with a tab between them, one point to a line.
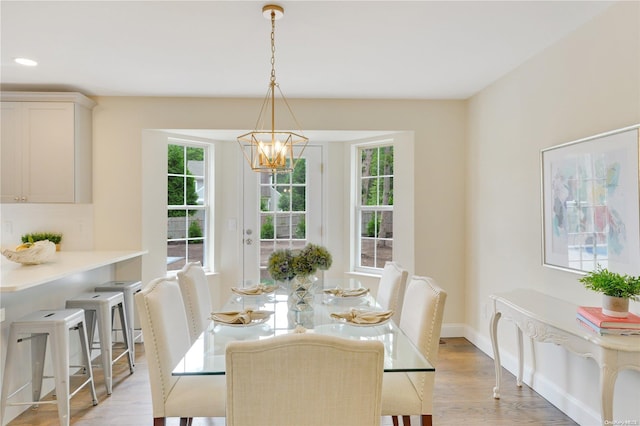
617	307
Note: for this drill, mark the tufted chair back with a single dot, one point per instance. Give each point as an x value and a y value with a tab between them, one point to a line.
196	297
422	322
166	335
391	289
422	312
304	379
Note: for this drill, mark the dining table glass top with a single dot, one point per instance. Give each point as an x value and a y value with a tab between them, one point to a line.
207	354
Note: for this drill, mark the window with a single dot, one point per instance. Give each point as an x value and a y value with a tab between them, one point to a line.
374	206
187	204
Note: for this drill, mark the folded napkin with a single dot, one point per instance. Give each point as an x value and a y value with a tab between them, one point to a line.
256	290
349	292
240	317
359	316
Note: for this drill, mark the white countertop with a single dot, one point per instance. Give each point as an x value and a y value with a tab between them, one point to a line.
16	277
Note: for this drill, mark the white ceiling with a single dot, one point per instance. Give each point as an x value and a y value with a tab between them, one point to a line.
325	49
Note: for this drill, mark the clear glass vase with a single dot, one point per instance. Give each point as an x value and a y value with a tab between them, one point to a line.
301	293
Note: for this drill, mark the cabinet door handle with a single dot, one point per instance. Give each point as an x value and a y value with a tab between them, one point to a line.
23	199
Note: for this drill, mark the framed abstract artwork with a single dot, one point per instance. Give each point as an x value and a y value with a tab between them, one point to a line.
591	203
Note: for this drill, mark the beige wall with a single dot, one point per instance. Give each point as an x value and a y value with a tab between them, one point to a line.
439	137
584	85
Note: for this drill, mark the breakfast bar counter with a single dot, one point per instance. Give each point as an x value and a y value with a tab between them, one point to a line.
16	277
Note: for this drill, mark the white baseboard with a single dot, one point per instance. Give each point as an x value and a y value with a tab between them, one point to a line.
575	409
452	330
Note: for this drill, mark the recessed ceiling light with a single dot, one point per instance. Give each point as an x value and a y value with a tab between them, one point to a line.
26	61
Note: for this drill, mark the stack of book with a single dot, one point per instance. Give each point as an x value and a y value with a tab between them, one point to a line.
593	318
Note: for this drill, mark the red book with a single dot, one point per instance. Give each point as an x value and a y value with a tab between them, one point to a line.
595	316
608	331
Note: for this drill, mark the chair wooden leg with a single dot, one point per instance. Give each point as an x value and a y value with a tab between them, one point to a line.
406	420
427	420
186	421
159	421
394	419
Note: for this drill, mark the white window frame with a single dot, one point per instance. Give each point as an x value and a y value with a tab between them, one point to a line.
358	208
205	206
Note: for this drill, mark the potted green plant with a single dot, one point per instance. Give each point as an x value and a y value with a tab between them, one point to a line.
617	290
54	237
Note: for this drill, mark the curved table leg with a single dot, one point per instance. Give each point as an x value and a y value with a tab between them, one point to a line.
520	357
493	329
607	381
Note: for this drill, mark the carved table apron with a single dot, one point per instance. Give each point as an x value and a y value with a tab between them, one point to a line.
549	320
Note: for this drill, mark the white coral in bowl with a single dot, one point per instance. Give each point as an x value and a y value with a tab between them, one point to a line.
39	252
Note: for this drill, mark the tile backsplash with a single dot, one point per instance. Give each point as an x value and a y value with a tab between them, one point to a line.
74	221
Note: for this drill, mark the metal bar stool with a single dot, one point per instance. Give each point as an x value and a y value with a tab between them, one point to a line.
128	289
36	328
99	307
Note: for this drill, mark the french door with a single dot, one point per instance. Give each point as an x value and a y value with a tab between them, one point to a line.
280	211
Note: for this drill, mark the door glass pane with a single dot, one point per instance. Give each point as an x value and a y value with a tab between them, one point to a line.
266	227
298	200
283	194
298	225
283	226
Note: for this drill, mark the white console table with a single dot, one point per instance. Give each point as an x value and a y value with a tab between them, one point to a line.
549	320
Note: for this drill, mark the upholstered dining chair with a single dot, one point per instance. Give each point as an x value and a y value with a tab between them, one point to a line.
304	379
407	394
166	340
391	289
196	297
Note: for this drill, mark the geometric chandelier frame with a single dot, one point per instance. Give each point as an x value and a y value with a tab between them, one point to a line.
266	149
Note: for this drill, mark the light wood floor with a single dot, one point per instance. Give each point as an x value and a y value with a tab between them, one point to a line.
463	396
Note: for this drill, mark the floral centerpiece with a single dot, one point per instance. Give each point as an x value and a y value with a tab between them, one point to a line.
285	264
280	265
298	267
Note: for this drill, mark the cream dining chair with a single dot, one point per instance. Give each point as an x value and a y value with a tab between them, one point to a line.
407	394
196	297
166	340
391	289
304	379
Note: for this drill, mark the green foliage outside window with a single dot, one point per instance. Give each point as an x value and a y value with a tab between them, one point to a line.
373	226
176	184
377	172
195	231
266	229
301	229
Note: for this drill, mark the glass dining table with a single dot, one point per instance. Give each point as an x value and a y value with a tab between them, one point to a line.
207	354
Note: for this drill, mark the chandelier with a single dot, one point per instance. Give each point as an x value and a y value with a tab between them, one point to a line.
266	149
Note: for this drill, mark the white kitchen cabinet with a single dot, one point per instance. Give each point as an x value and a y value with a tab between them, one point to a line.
46	148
